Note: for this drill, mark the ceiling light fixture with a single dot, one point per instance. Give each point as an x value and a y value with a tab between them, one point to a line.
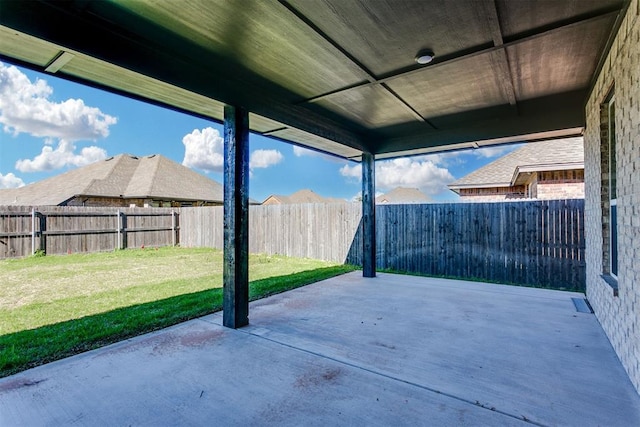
424	56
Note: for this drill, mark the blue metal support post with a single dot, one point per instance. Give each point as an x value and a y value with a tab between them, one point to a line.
368	215
236	218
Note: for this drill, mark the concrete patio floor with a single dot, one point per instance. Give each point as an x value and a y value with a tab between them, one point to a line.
394	350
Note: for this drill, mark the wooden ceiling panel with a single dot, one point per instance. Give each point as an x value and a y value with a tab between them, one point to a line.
389	33
520	17
129	82
23	47
453	88
262	124
372	106
261	36
559	62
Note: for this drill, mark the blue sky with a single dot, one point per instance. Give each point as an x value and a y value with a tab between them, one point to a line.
50	126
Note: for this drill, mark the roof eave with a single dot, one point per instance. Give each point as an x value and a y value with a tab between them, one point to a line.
544	167
455	187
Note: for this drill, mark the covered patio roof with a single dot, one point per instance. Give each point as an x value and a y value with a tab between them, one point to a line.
333	75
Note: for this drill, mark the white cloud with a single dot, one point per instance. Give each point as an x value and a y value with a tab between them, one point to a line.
406	172
10	181
63	155
25	107
265	158
352	171
204	150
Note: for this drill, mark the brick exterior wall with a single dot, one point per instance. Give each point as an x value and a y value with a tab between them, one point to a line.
492	194
140	203
552	185
618	314
105	202
564	190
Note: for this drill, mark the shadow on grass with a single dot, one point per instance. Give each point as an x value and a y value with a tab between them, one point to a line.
26	349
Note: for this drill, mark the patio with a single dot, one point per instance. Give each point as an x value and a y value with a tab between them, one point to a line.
349	351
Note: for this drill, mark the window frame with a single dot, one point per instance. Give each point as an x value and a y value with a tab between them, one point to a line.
612	190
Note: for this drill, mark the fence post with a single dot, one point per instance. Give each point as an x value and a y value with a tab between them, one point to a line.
124	230
118	229
33	231
173	228
43	231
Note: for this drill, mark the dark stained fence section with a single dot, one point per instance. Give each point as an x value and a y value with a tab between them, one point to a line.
60	230
535	243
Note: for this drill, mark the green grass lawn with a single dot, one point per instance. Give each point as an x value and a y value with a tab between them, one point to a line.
56	306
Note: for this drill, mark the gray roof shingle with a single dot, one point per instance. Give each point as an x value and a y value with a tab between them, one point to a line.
299	197
402	195
541	155
124	176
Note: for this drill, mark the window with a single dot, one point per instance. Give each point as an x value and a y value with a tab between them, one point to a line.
613	192
609	191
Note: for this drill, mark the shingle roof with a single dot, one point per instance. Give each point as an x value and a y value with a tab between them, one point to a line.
554	154
301	196
402	195
123	176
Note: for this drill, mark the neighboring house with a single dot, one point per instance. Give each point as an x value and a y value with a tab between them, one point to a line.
302	196
552	169
122	181
402	195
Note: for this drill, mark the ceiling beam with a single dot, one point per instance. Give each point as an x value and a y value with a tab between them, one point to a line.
505	77
536	116
407	107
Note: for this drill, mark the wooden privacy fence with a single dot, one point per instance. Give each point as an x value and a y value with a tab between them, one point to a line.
58	230
536	243
318	231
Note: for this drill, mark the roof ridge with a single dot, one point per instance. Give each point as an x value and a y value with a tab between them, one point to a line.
94	181
132	179
157	158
